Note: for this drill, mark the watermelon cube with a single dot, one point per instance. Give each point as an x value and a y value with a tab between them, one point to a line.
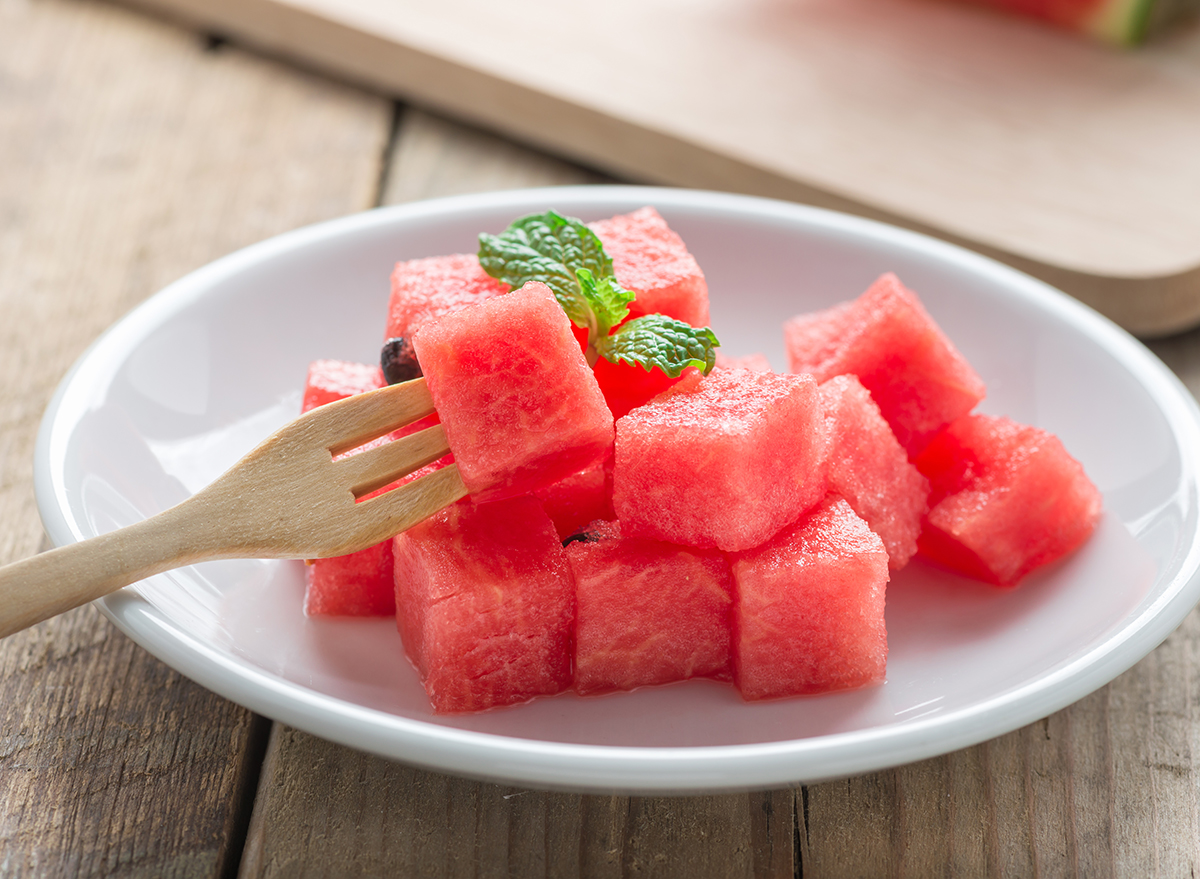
425	289
625	386
647	612
886	338
651	259
753	362
868	467
1005	498
330	380
808	607
358	584
721	461
519	403
581	498
484	601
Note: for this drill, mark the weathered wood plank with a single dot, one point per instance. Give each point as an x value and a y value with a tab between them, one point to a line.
325	810
1107	787
128	156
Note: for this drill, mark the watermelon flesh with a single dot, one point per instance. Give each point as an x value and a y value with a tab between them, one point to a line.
649	258
647	612
519	403
753	362
578	500
358	584
1005	498
426	289
886	338
868	467
808	607
652	260
330	380
485	604
722	461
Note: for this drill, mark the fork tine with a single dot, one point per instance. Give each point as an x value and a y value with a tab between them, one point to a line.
347	423
374	468
383	516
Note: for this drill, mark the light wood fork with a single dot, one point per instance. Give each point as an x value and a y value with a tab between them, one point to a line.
289	498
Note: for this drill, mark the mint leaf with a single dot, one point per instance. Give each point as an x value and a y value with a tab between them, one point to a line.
550	248
569	258
608	301
658	341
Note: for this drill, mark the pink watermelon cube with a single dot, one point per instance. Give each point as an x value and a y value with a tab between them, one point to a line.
723	461
647	612
625	387
1005	499
887	339
869	468
359	584
519	403
425	289
753	362
652	260
485	604
578	500
330	380
808	607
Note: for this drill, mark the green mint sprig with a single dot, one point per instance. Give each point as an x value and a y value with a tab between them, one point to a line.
569	258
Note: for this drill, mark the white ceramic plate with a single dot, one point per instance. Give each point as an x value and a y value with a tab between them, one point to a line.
188	382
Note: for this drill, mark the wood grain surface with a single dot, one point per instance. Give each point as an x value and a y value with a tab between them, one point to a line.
131	152
1068	159
130	155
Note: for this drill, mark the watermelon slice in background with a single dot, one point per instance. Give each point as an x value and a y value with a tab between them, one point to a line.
519	403
886	338
426	289
647	612
808	607
868	467
485	604
1005	499
1123	22
721	461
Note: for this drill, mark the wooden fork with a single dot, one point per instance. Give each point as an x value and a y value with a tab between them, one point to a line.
288	498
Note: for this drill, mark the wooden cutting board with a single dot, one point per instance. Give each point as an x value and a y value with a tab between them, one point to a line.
1073	161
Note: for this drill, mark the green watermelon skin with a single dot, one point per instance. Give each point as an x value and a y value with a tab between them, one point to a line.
425	289
868	467
808	608
1123	22
647	612
485	604
518	401
1006	498
916	376
723	461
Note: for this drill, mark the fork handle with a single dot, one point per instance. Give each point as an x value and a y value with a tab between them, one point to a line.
50	583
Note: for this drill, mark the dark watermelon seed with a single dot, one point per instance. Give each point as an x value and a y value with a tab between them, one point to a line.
399	361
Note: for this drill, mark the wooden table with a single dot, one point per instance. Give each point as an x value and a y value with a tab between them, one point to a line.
133	151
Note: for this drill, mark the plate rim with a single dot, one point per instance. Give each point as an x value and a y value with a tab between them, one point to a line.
609	768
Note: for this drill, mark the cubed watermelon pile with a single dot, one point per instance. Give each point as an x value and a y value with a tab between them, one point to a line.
628	528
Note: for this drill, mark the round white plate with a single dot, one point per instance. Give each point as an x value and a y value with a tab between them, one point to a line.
188	382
